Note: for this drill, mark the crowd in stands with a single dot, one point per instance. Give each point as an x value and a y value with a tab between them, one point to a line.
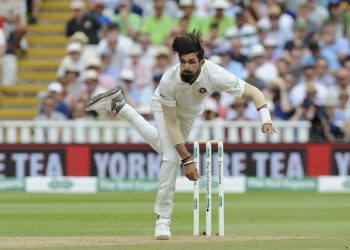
297	52
15	15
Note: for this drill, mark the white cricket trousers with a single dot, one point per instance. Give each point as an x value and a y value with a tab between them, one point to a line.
159	139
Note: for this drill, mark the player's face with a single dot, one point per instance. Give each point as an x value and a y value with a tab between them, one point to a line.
190	67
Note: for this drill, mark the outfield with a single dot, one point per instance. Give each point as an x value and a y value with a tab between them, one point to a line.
125	221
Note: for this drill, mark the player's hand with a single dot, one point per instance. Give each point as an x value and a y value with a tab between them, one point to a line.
191	172
268	128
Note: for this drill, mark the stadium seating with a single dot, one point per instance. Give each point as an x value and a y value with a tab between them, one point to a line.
38	67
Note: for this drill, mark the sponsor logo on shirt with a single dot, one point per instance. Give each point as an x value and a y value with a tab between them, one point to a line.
236	83
179	90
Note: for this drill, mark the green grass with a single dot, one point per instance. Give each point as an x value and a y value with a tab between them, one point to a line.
316	221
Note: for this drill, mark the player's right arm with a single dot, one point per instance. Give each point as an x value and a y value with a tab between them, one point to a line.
170	117
167	98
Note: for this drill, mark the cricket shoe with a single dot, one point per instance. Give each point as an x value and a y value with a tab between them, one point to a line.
162	231
112	100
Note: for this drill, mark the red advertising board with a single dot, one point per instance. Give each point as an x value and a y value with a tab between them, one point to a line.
139	161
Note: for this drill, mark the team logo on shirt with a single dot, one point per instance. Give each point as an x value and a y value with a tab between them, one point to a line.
202	90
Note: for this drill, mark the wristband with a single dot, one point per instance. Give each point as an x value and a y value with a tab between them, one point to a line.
185	159
265	117
188	163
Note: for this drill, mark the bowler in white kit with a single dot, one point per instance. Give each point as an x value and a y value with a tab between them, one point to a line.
176	102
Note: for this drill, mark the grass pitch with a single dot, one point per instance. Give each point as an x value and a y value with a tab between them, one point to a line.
126	221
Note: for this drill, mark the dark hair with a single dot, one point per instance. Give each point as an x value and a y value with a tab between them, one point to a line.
113	26
313	46
189	43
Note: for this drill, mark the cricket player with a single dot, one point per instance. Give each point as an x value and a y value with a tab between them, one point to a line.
176	102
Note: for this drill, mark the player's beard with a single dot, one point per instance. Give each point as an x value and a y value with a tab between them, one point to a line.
189	77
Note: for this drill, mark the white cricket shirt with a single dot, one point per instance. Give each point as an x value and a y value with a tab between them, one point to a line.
189	99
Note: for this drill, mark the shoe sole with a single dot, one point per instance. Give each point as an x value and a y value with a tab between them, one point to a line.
163	237
99	97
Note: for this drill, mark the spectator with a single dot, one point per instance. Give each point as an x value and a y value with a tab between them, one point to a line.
262	32
72	86
273	52
232	66
141	69
282	108
295	58
334	43
342	110
149	8
193	21
130	92
220	98
238	110
148	51
316	52
282	67
92	87
129	22
163	60
211	110
265	70
80	114
213	41
74	57
14	14
115	44
107	67
334	117
303	15
145	99
97	8
55	92
256	10
79	37
223	22
158	26
236	52
280	30
138	6
235	6
244	31
278	24
49	113
339	17
308	110
300	36
202	8
251	75
105	80
81	21
318	13
323	74
86	50
308	81
342	83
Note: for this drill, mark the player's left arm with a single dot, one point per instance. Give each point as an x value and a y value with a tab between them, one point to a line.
252	93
